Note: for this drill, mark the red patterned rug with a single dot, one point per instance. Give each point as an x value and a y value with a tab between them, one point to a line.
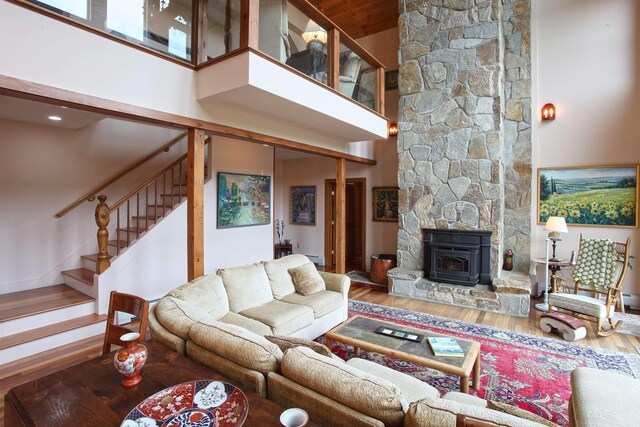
520	369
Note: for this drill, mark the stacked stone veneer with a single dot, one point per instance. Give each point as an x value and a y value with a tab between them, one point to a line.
464	143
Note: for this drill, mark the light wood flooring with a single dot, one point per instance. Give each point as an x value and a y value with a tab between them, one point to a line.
27	369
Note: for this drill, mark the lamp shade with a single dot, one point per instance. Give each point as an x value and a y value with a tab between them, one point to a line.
314	32
556	225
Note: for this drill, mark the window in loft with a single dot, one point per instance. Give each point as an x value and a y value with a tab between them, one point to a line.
177	43
126	17
74	7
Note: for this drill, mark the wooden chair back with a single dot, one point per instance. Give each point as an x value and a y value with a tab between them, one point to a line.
126	303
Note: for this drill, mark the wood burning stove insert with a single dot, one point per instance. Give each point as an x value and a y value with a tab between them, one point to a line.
459	257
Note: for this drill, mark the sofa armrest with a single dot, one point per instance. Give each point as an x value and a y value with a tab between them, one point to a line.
163	336
336	282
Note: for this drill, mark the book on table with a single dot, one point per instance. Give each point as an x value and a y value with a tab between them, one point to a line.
445	346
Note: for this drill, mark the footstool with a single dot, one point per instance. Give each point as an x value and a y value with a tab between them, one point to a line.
572	329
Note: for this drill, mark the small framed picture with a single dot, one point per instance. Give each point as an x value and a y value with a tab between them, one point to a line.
302	205
385	204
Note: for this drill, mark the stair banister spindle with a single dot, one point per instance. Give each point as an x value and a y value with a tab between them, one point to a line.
102	221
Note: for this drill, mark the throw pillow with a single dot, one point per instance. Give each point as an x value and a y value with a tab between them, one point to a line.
520	413
306	279
285	343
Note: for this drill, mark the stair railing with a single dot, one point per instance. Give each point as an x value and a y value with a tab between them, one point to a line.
147	194
91	195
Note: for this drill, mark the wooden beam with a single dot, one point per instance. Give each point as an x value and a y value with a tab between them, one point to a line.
199	42
341	217
380	90
333	58
195	204
250	24
11	86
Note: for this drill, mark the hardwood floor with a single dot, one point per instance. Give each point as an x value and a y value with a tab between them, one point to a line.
41	364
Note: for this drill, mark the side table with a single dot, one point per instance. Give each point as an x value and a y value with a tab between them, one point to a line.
554	266
280	250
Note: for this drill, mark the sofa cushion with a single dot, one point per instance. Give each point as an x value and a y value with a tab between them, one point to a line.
285	343
246	286
178	316
279	276
244	322
412	388
321	303
360	391
467	399
205	292
306	279
238	344
437	412
518	412
283	318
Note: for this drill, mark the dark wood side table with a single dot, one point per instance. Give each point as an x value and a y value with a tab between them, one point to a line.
280	250
90	393
555	266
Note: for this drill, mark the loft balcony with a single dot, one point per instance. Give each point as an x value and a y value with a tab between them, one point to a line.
281	61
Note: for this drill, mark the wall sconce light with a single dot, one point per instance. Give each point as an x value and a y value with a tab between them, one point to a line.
548	112
393	129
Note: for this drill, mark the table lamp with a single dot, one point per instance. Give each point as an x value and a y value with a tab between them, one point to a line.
555	225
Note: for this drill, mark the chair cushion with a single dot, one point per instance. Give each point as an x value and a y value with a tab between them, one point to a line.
205	292
520	413
580	303
278	273
321	303
238	344
178	316
306	279
244	322
285	343
601	398
360	391
437	412
412	389
283	318
246	286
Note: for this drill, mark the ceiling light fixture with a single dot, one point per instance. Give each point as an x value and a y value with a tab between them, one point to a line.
55	118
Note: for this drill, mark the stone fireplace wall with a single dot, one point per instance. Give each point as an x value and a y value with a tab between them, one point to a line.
464	144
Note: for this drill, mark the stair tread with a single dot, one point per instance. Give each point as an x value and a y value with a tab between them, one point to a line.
93	257
82	274
34	301
132	229
121	243
45	331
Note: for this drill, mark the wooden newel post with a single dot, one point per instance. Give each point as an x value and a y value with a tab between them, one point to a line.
102	220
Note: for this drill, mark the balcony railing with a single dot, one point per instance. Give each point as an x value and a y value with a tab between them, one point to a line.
293	33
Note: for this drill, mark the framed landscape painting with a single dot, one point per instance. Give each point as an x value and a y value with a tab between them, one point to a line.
243	200
385	204
600	195
302	205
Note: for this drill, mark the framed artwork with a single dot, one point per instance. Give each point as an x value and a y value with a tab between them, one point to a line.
385	204
596	195
302	205
243	200
391	80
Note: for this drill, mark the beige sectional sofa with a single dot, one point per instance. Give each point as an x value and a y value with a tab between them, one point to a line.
238	306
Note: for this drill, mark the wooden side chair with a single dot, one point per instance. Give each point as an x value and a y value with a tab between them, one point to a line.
595	288
126	303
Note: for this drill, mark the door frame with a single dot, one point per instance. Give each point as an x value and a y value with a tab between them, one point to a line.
328	226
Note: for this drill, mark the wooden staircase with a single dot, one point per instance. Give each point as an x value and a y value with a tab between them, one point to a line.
40	319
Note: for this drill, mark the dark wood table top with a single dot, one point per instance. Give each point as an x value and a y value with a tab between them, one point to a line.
90	393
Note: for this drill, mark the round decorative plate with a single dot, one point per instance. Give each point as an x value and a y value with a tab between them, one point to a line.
202	403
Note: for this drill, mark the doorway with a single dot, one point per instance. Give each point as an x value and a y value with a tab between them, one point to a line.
355	233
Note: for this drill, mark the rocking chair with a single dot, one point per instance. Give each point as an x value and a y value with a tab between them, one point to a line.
596	284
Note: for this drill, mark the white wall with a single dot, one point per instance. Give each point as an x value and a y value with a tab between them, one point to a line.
42	170
586	61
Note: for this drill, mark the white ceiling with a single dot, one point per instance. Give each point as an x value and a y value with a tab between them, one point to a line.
22	110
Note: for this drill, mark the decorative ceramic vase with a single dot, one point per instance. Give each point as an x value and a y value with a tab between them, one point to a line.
130	359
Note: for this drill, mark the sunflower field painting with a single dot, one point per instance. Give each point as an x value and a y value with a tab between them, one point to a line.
606	196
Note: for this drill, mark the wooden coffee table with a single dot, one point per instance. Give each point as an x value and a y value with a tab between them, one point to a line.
358	331
90	393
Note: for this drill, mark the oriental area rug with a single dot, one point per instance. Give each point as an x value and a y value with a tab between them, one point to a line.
524	370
